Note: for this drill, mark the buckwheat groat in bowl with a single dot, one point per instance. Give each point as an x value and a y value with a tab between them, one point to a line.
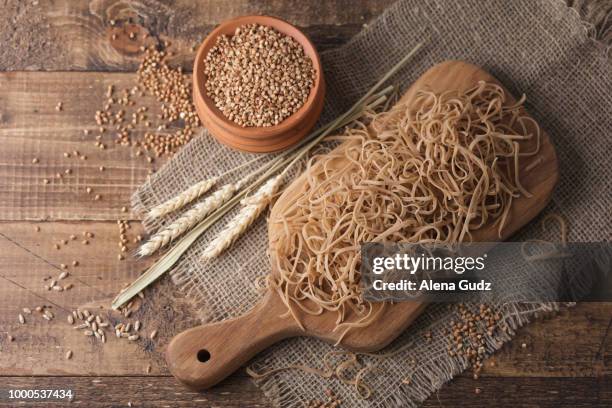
258	84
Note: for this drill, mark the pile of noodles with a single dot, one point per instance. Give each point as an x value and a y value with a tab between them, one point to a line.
432	172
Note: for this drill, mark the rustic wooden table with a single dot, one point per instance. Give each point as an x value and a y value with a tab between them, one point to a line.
63	51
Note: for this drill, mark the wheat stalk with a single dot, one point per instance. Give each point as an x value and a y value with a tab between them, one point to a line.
183	198
252	208
198	212
189	219
370	100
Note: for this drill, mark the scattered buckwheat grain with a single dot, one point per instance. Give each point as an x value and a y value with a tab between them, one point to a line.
172	89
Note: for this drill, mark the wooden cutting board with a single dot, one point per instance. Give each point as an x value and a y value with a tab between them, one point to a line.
202	356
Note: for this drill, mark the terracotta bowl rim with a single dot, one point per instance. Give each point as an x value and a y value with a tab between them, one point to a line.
277	143
256	132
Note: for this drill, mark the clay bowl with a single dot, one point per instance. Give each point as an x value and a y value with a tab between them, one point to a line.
258	139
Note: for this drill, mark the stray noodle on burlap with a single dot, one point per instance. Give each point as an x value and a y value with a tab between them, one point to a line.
540	48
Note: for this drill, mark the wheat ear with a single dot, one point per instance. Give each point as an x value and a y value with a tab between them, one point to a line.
253	206
189	219
183	198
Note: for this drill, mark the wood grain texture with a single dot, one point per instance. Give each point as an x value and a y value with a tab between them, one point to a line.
551	349
238	391
77	35
523	393
27	257
227	345
141	391
31	127
575	342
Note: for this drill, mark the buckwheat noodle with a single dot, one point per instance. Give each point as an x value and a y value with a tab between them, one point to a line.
431	172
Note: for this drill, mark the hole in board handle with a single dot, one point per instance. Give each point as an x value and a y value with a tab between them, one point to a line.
203	356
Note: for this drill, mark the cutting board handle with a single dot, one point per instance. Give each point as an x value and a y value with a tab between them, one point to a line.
203	356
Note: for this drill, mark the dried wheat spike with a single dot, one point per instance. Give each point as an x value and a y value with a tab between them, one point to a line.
189	219
182	199
252	207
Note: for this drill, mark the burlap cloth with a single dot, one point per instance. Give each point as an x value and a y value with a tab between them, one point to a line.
537	47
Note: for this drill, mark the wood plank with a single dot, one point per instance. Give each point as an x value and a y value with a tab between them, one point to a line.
554	347
524	393
149	391
239	391
31	127
69	35
575	342
39	346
